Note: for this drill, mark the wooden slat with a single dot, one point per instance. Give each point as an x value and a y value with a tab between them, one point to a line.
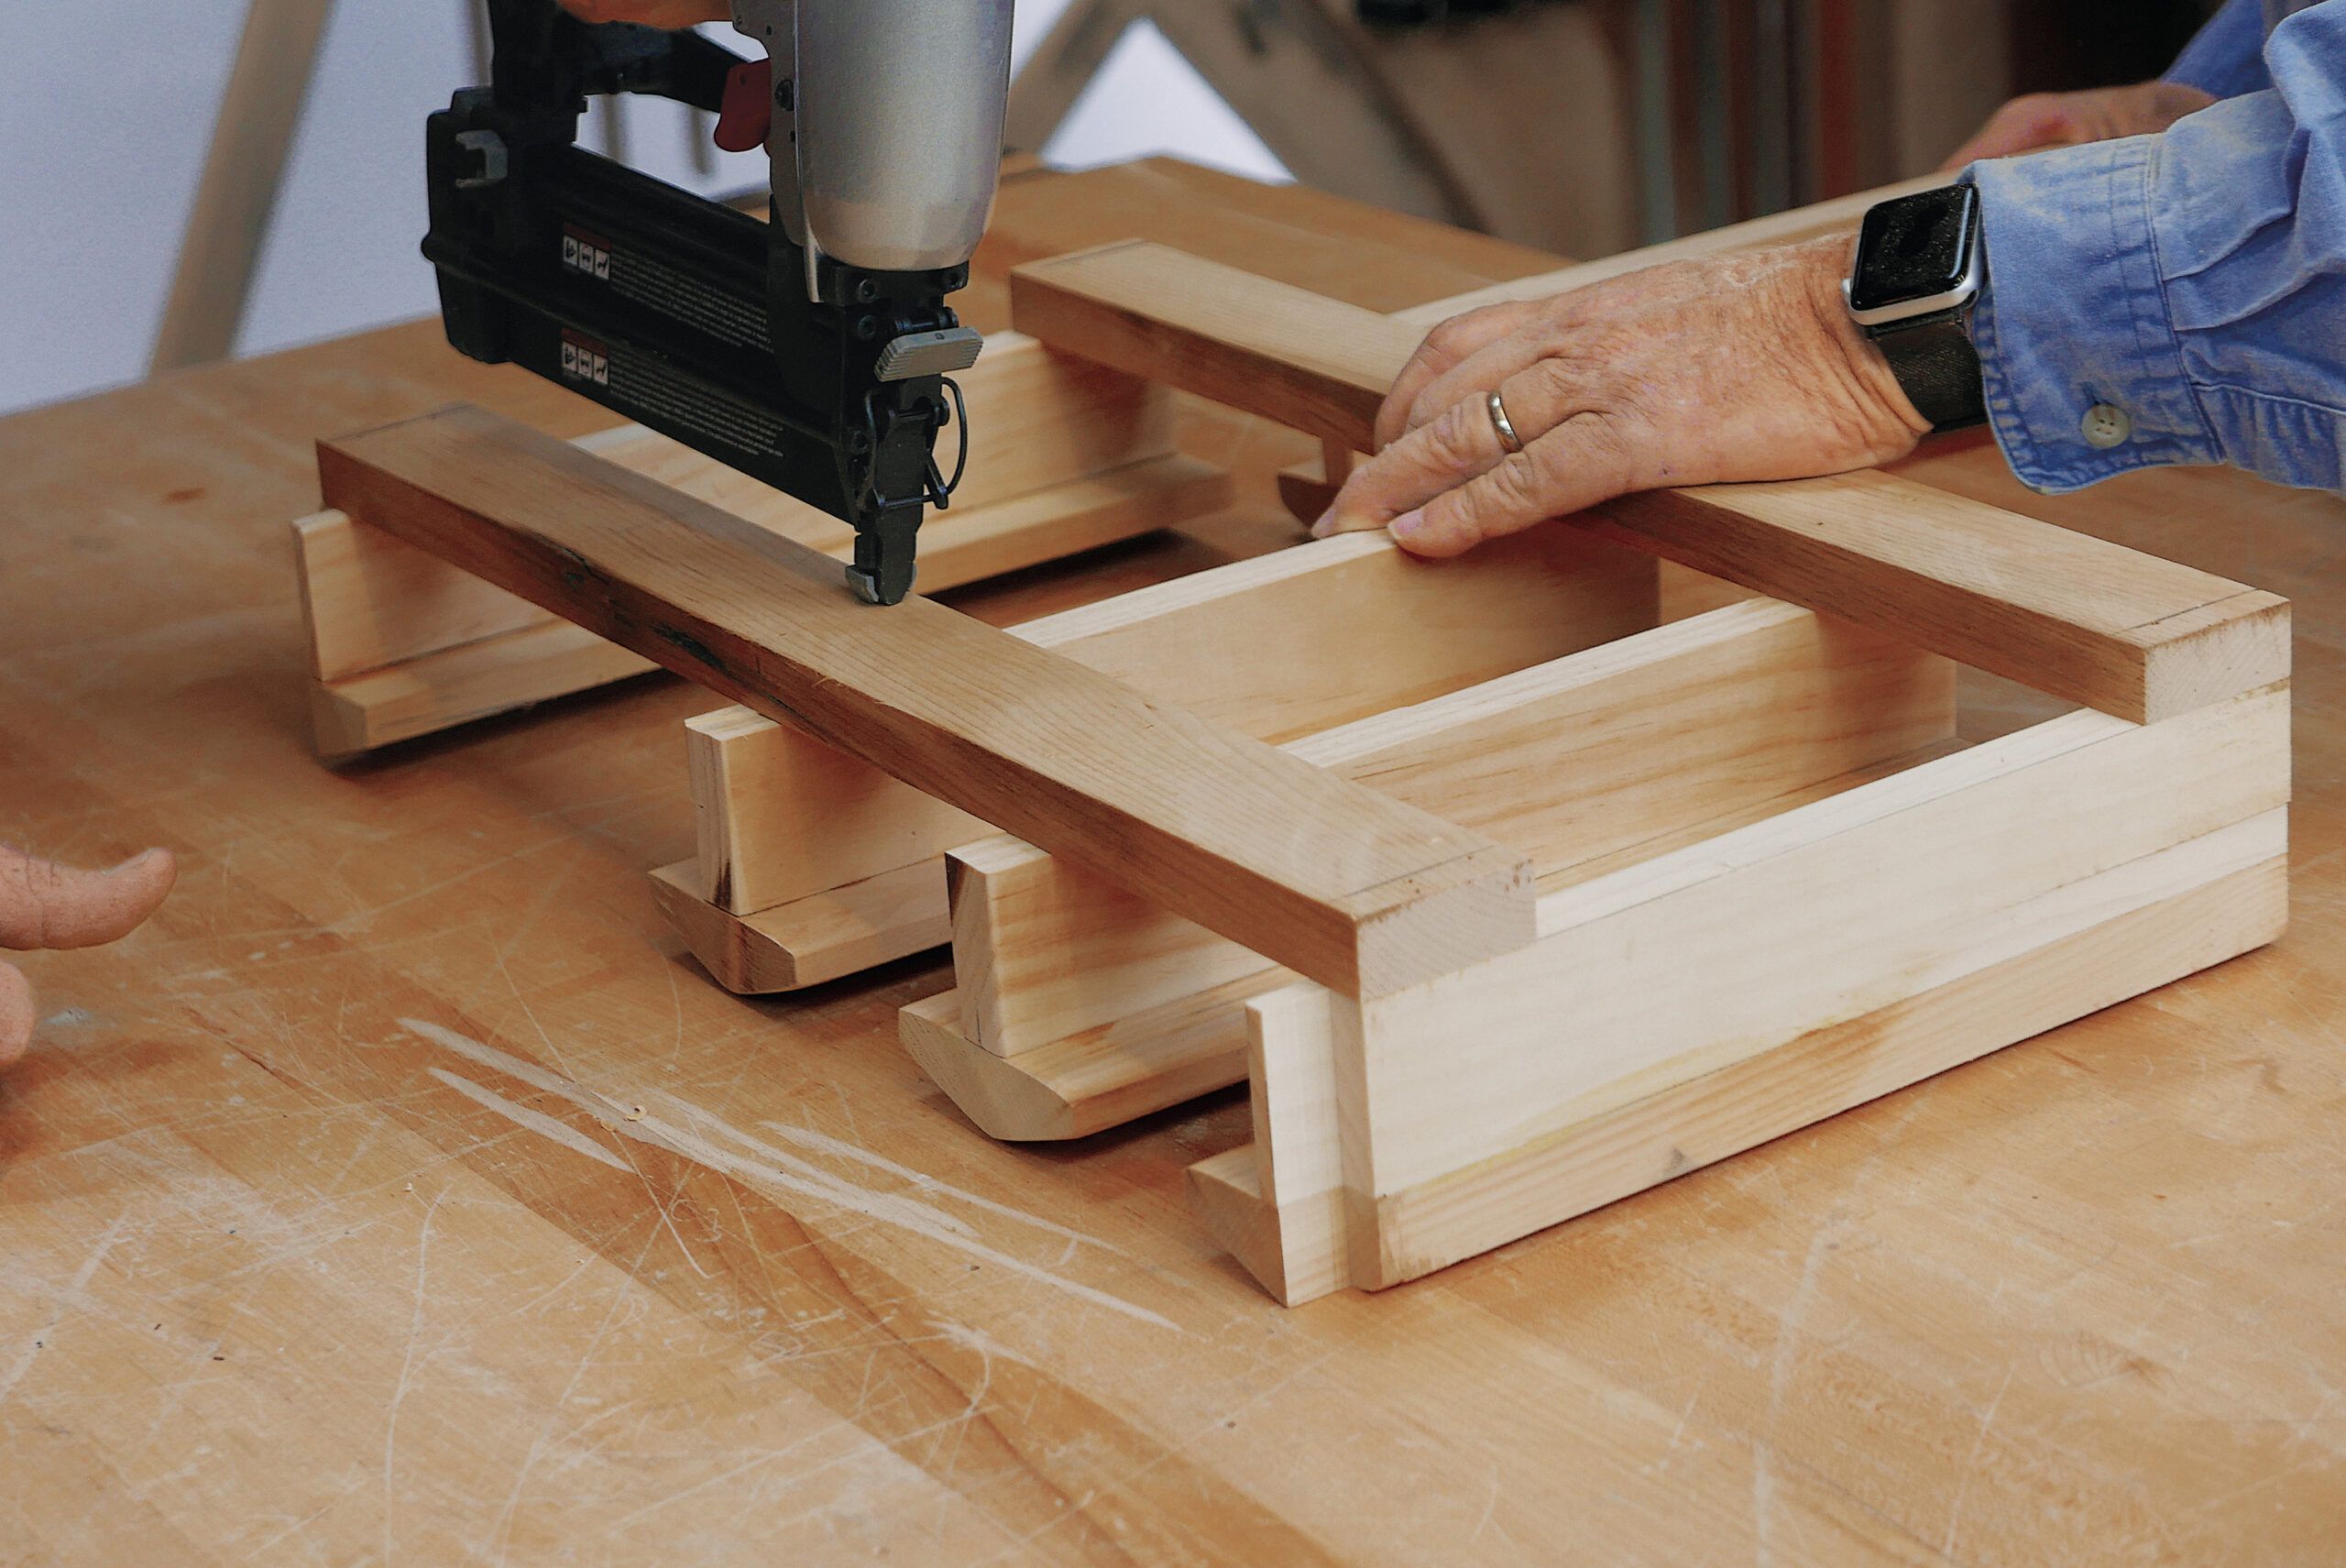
1073	456
2199	906
960	547
1305	639
1310	362
1048	420
779	816
2065	613
446	678
1680	725
1778	228
783	816
1339	248
1565	762
440	648
1338	882
2081	618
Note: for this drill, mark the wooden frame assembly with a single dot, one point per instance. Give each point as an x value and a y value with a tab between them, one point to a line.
1510	885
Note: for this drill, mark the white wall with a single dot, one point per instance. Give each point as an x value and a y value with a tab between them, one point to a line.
106	116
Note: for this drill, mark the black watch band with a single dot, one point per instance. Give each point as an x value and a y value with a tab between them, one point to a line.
1937	367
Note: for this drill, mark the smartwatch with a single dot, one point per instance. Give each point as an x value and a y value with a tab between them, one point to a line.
1919	271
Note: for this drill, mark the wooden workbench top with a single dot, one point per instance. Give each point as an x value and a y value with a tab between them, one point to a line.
301	1261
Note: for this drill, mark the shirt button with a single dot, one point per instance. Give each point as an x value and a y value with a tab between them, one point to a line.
2106	427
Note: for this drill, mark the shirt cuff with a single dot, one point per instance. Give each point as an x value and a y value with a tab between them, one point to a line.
2084	377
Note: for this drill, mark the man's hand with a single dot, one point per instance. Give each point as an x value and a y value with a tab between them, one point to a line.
44	905
1742	366
2070	119
650	13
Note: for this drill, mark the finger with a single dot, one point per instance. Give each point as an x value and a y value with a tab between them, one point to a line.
16	1014
1446	452
1582	462
2025	125
2172	101
44	905
1472	381
1454	341
1558	319
2002	135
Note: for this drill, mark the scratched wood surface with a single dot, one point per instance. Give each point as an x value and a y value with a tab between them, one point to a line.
402	1194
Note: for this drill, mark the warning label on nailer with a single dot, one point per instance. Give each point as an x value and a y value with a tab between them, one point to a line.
584	359
585	252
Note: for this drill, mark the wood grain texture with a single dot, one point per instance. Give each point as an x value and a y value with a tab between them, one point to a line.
821	938
1029	1097
1039	419
1160	1056
2147	946
1818	914
2130	635
783	817
2200	906
2077	1302
2084	619
1338	882
1090	1081
1075	456
422	647
1376	259
1284	353
369	599
1564	762
433	692
1653	734
1842	212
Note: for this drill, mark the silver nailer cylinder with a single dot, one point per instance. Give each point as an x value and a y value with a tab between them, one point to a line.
896	108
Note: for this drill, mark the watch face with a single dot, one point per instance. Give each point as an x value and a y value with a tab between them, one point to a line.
1914	247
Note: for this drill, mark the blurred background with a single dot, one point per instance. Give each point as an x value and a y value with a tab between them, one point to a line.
1581	126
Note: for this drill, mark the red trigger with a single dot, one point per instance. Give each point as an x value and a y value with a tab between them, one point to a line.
748	111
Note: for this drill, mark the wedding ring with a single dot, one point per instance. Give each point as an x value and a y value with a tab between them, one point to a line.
1504	425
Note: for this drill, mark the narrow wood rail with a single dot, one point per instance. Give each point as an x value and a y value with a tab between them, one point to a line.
1350	887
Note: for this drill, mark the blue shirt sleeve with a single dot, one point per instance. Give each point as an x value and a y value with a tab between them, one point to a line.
2179	298
2227	59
